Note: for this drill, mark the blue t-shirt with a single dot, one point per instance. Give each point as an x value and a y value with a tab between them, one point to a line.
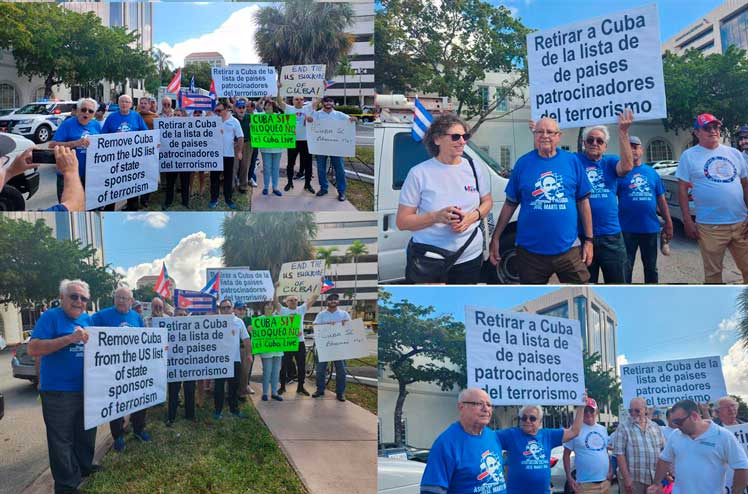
61	370
603	201
547	190
464	464
72	130
637	200
116	122
529	459
109	317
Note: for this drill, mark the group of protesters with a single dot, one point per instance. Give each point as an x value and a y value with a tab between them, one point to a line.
693	454
58	341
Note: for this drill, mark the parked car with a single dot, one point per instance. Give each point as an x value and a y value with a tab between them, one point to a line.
664	167
23	364
404	452
7	111
397	476
671	194
12	195
37	121
558	474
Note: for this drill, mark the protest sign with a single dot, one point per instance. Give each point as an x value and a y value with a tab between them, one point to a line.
190	144
519	358
273	130
124	370
200	347
664	383
303	80
120	166
194	302
276	333
302	278
340	341
243	285
251	81
587	72
741	434
332	137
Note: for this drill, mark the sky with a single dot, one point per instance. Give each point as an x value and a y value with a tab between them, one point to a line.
654	323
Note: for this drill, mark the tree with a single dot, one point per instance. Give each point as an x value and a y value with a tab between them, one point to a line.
34	262
327	254
742	407
298	32
742	303
201	70
354	251
266	241
345	69
601	384
449	47
62	46
415	345
163	63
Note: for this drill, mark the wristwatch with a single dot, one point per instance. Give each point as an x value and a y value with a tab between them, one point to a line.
586	239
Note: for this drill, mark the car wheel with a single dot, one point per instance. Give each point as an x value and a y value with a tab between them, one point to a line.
507	270
11	199
43	134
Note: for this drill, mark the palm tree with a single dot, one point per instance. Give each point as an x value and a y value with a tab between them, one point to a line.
742	303
354	251
163	63
298	32
266	241
345	69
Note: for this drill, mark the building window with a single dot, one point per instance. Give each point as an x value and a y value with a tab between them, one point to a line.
581	303
115	14
596	336
502	106
611	344
659	149
734	31
8	96
560	310
484	97
505	156
82	229
62	226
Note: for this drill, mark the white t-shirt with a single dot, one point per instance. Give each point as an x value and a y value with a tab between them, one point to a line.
701	463
591	451
300	310
715	175
231	129
301	114
332	115
327	317
238	325
431	186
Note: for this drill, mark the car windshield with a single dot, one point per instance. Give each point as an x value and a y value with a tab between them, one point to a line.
35	109
489	160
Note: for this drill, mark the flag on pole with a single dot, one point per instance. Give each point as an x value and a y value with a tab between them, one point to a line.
421	121
163	283
212	93
192	85
327	285
329	83
193	301
176	82
213	286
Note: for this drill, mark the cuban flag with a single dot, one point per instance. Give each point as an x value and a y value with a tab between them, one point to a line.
212	93
176	82
327	285
163	283
421	121
193	301
213	286
192	85
329	83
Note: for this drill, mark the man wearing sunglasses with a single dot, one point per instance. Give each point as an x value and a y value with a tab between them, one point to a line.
590	447
59	337
637	446
328	113
226	308
467	456
718	175
701	452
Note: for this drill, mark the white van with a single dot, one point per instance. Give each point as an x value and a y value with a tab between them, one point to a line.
395	153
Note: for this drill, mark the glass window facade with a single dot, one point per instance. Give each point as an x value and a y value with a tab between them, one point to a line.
62	226
484	97
596	344
115	14
581	305
611	347
561	310
734	31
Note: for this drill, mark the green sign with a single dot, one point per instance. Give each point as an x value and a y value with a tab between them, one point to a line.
273	130
275	333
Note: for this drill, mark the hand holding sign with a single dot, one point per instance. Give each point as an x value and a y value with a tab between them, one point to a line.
78	335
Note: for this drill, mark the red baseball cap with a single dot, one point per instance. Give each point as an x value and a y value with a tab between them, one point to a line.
591	403
705	119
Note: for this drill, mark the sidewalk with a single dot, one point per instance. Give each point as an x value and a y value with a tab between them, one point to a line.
331	445
296	199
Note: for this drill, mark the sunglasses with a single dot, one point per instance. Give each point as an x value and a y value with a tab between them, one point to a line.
592	140
529	418
87	110
75	297
679	422
226	307
456	137
217	110
712	128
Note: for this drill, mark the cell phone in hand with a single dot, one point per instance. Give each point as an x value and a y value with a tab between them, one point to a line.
43	156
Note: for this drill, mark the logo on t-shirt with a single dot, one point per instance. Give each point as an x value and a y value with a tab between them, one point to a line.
123	127
549	192
492	474
82	149
77	349
595	176
595	441
720	169
471	188
534	456
639	187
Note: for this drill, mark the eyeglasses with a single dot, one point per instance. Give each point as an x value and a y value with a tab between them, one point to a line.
76	297
679	422
635	411
456	137
217	110
478	404
226	307
87	110
529	418
712	128
592	140
546	132
121	297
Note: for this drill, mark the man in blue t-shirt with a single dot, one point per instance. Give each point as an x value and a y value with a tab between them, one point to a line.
59	337
528	449
122	315
466	458
640	194
603	172
551	186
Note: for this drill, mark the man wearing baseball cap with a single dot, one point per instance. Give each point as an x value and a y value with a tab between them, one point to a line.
591	449
718	175
742	140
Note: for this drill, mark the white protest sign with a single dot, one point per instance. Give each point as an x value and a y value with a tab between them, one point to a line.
303	80
243	285
250	80
302	278
124	370
665	383
340	341
741	434
332	137
519	358
120	166
190	144
587	72
201	347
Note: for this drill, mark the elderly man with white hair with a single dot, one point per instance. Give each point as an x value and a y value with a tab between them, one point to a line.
726	409
637	446
466	457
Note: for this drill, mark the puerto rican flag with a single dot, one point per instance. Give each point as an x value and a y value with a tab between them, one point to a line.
193	301
175	83
163	283
213	286
327	285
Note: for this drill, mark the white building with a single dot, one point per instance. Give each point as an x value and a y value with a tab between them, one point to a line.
724	26
213	58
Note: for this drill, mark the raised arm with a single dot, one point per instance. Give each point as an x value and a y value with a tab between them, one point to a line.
626	164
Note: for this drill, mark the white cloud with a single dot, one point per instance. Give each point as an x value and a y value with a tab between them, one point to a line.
186	262
234	39
621	360
735	370
154	219
726	330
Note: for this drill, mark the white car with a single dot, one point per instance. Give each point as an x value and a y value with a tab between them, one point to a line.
558	474
399	476
12	195
37	121
664	167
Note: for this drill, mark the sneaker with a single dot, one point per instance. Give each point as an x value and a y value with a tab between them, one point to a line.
309	188
302	391
212	204
119	444
321	193
264	397
238	415
264	192
231	205
298	176
281	390
317	394
143	436
251	391
288	186
276	397
341	197
340	397
243	191
253	183
217	416
277	193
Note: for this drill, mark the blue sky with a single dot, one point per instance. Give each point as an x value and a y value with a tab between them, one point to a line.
178	21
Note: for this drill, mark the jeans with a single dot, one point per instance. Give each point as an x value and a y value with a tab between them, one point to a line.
609	255
189	399
288	359
70	447
270	374
228	180
339	376
647	245
271	168
137	419
337	162
305	162
220	388
253	164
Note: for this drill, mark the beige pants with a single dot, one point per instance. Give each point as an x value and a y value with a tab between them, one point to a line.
244	167
713	241
593	487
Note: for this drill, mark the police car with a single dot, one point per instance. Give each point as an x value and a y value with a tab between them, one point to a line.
37	121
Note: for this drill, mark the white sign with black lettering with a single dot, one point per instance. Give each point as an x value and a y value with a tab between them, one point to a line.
741	434
587	72
200	347
667	382
243	284
332	138
120	166
340	341
249	80
303	80
302	278
124	370
190	144
519	358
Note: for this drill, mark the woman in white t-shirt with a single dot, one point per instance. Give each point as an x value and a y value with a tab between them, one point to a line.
271	158
442	202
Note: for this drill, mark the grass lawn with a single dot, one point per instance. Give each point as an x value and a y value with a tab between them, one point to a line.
198	202
207	456
360	194
363	396
365	154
